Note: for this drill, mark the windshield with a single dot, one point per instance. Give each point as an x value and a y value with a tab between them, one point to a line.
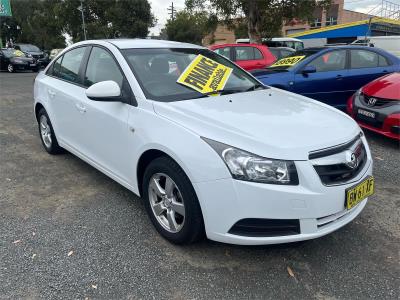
158	70
13	53
29	48
289	62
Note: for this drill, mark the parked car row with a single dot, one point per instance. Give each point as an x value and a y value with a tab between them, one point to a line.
25	57
211	150
331	75
13	60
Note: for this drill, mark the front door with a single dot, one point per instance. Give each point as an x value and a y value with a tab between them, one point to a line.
106	133
329	84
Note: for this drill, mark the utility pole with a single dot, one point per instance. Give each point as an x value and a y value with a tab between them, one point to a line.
172	11
83	19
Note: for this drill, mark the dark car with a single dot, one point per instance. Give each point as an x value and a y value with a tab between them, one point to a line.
13	60
41	56
281	52
329	74
376	106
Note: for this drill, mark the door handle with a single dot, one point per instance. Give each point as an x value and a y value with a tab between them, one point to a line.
385	71
51	93
80	108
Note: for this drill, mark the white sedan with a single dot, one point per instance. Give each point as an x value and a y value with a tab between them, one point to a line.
210	150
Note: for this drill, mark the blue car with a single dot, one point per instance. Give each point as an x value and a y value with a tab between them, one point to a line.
329	74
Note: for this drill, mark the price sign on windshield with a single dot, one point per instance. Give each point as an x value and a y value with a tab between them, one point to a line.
288	61
205	75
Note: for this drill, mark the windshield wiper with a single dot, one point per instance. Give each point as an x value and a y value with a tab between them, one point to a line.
256	86
232	91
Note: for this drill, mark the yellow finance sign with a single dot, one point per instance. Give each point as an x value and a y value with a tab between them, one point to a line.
288	61
205	75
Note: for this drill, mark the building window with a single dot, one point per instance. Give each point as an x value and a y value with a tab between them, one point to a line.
331	21
316	23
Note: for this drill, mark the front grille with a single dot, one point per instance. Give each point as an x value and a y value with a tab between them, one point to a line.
338	167
380	102
266	227
38	56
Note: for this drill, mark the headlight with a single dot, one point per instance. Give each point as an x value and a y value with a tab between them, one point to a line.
359	95
246	166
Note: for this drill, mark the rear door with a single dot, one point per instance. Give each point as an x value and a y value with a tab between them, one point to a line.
249	58
365	66
330	82
65	92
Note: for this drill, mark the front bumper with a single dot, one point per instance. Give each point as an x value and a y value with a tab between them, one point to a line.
318	208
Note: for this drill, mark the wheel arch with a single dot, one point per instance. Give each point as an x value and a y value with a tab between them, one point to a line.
38	107
148	156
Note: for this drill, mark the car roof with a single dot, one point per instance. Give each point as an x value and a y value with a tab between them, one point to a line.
147	43
237	45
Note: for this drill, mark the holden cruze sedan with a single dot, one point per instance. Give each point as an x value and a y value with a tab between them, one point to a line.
210	150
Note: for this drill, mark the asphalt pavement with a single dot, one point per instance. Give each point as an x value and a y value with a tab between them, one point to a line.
69	232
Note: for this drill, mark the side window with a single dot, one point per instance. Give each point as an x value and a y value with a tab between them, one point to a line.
383	62
331	61
57	67
70	65
101	67
257	54
244	53
363	59
224	51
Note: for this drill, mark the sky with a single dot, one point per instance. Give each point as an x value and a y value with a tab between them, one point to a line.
159	8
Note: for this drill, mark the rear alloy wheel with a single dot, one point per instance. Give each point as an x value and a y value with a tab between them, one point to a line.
47	136
171	202
10	68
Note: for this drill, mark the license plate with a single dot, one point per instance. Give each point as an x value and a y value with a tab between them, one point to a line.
358	193
32	65
366	113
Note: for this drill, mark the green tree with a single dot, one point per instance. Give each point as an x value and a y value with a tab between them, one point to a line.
264	18
190	26
107	18
34	22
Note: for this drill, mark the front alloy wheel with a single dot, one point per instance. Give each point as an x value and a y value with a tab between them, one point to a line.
166	202
171	202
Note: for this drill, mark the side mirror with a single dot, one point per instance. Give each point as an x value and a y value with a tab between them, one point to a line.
104	91
309	69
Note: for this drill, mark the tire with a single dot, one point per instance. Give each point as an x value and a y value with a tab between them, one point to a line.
189	219
46	133
10	68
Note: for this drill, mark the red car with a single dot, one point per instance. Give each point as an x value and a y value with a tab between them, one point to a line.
376	106
248	56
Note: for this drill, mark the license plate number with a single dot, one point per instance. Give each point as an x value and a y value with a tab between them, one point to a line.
356	194
366	113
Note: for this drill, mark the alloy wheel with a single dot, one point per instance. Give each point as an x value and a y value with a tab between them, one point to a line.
10	68
45	131
166	202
